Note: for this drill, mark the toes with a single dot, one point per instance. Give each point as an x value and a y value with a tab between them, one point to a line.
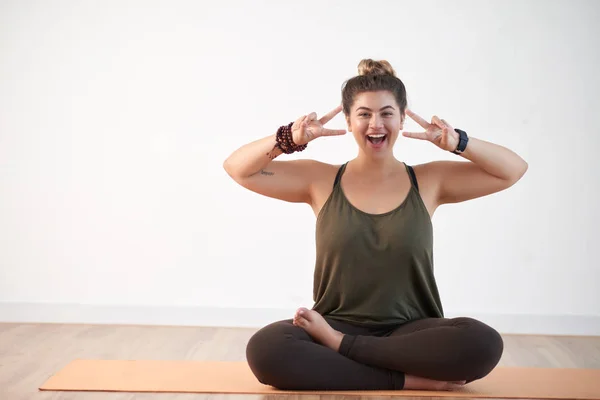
302	322
304	317
300	311
309	315
296	319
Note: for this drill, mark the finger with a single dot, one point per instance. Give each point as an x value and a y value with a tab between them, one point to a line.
417	119
333	132
415	135
327	117
311	117
447	125
437	121
299	122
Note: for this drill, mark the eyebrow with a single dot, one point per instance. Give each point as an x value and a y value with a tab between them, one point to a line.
368	109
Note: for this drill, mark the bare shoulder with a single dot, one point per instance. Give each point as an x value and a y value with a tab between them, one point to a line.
426	172
319	178
323	168
322	184
427	175
431	173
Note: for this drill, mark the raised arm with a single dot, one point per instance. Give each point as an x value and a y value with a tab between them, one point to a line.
253	165
492	167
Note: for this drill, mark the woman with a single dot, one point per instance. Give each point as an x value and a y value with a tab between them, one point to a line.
377	322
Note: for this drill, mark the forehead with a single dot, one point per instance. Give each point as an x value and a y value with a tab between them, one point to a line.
377	98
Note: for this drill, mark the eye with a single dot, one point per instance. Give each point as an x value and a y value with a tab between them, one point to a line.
388	113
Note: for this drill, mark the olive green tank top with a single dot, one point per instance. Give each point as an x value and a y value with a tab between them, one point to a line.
375	269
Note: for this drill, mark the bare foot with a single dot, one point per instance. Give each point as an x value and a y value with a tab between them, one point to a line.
318	328
417	383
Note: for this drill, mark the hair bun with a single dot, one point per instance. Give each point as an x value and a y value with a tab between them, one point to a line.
372	67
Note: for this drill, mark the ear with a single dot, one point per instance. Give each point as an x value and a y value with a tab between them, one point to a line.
349	124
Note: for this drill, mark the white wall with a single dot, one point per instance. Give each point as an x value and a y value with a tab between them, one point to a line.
115	119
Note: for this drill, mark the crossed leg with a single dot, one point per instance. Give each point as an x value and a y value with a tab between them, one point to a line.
311	352
287	357
443	349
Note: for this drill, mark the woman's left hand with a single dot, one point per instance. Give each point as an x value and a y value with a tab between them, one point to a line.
438	132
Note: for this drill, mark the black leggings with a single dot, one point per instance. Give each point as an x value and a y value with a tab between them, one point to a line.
374	358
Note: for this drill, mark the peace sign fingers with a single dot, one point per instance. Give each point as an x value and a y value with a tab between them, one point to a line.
417	119
439	122
333	132
416	135
327	117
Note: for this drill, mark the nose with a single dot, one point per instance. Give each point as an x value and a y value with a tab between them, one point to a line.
376	122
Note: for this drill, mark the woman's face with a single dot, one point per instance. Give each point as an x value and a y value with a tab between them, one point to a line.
375	122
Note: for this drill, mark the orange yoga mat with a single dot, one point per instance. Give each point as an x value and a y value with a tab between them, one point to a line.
235	377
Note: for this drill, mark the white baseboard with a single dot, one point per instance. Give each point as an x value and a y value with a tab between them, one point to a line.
576	325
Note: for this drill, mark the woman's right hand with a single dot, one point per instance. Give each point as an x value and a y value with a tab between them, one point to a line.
308	127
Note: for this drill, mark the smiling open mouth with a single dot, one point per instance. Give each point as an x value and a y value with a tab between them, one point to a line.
376	139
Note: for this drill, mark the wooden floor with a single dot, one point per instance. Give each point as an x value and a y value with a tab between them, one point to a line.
32	353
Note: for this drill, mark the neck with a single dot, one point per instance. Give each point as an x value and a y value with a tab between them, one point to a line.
374	168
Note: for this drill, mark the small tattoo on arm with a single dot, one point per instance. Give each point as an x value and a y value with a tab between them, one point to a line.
263	172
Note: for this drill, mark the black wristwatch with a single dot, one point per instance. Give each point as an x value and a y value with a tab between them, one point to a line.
462	141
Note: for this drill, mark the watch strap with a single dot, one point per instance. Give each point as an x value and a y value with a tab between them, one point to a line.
463	139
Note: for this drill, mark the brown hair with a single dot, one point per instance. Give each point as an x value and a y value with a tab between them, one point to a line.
373	76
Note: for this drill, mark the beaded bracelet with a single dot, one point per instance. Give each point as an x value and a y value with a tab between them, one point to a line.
285	141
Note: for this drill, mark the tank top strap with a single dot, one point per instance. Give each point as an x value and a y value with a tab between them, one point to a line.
413	177
339	174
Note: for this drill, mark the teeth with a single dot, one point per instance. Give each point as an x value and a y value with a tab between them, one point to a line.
377	136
